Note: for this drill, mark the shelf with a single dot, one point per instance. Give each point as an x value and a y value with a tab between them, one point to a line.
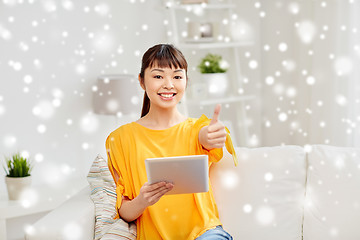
215	45
225	44
190	7
213	101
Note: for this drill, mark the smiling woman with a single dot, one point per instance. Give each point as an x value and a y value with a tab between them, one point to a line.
162	131
163	62
165	84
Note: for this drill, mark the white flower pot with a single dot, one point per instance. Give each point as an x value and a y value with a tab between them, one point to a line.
16	185
217	84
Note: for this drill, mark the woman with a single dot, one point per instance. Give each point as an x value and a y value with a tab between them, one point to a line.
162	131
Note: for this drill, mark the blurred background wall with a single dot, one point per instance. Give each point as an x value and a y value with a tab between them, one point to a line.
302	69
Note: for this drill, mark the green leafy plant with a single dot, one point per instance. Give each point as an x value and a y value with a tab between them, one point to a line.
213	63
17	166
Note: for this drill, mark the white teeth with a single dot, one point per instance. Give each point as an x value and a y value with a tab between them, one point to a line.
166	95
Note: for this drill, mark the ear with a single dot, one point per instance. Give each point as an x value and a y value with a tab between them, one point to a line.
141	81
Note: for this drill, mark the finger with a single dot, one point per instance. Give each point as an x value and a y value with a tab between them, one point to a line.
169	185
216	135
216	127
217	140
220	141
220	145
159	194
216	114
151	194
154	186
156	196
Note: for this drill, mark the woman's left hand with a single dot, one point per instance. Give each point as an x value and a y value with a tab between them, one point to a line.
213	135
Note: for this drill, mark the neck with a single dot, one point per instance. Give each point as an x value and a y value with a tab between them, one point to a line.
162	118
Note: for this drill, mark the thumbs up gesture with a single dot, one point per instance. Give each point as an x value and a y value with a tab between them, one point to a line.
213	135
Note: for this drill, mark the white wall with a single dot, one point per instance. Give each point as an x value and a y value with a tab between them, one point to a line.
319	36
52	52
284	99
51	55
246	18
337	74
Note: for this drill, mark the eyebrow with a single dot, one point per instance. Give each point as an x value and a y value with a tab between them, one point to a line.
160	70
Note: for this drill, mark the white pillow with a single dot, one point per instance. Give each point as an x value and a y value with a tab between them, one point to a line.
103	194
262	197
332	206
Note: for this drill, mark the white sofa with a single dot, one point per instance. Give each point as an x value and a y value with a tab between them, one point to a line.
275	193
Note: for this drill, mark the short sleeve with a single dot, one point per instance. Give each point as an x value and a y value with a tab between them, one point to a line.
215	154
115	158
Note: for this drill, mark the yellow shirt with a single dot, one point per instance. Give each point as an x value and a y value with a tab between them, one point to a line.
182	216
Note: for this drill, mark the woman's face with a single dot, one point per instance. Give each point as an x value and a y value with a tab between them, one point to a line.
164	86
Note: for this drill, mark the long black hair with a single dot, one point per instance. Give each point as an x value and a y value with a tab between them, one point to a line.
161	55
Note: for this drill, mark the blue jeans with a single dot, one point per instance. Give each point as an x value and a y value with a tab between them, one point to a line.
217	233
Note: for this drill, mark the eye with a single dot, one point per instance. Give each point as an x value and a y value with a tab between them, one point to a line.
178	77
157	76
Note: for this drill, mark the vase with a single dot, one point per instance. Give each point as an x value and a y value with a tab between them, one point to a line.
217	84
16	185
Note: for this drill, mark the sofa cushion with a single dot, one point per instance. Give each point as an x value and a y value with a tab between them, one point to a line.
332	206
103	194
262	197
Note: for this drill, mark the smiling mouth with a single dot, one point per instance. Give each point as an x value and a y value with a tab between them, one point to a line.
167	95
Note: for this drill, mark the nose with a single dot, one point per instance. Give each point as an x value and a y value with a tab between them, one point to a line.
168	83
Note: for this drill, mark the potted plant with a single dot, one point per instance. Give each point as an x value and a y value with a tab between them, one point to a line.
18	178
213	69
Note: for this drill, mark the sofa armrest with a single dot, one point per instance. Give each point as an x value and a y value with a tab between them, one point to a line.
74	219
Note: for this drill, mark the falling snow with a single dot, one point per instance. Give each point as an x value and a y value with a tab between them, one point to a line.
303	76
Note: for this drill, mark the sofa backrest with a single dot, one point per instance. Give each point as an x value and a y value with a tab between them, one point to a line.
332	205
261	198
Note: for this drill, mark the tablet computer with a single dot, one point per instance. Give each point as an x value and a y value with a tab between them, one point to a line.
189	174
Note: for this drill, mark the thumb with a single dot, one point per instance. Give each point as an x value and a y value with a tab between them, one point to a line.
215	118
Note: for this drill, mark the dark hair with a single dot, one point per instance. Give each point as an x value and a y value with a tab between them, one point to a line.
161	55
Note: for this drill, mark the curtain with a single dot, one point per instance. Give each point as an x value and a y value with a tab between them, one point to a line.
354	86
335	97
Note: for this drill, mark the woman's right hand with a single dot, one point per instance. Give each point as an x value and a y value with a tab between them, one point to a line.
151	193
